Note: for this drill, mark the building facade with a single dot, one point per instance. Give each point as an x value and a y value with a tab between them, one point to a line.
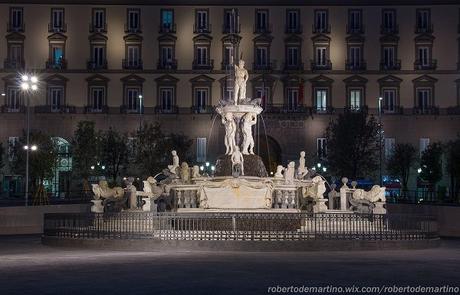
121	65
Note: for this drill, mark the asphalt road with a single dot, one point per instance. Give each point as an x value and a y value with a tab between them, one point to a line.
27	267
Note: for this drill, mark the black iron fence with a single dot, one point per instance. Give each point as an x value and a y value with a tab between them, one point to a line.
240	226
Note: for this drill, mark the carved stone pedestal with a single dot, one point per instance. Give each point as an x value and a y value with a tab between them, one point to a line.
253	166
320	206
97	206
379	208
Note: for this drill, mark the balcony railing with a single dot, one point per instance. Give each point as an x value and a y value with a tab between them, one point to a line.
15	28
315	66
295	67
356	109
355	30
384	30
395	110
166	110
293	30
167	28
284	108
202	109
133	30
228	29
93	110
60	64
323	110
55	109
390	66
432	110
13	109
430	65
12	64
453	110
206	29
321	30
129	64
424	29
209	65
96	65
57	29
124	109
96	29
352	65
264	67
263	29
167	64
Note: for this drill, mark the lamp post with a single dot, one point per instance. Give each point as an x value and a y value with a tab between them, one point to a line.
380	141
140	111
28	84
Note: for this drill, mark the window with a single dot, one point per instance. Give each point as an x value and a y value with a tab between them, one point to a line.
354	21
355	57
389	147
228	54
292	21
13	99
202	55
423	144
321	147
97	99
166	99
292	98
388	21
389	100
292	56
201	149
133	98
262	56
16	19
389	57
321	99
263	94
424	56
201	21
57	54
98	56
355	99
134	20
261	25
167	20
12	142
201	98
56	98
15	56
231	21
321	56
228	92
321	21
423	21
57	19
423	98
99	23
133	56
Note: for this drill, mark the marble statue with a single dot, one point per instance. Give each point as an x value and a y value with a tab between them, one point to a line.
237	162
249	120
132	193
279	171
369	202
102	191
289	173
185	172
241	77
376	194
151	187
301	171
196	171
173	168
230	131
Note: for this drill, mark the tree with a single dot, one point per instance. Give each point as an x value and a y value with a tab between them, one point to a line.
85	148
113	152
400	163
431	164
453	165
353	145
41	162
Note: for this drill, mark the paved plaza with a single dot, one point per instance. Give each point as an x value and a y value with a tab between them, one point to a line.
27	267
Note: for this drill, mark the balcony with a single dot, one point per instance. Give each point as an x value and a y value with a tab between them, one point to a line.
287	109
11	28
293	29
385	30
322	110
431	110
166	110
356	109
124	109
390	66
453	110
395	110
12	64
60	64
47	109
202	29
57	29
321	30
133	30
315	66
202	109
98	29
167	64
293	67
264	67
263	28
96	65
424	66
209	65
167	28
128	64
93	110
353	30
228	29
428	29
353	65
13	109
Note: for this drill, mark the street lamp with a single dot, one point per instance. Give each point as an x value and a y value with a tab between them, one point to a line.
29	83
380	140
140	110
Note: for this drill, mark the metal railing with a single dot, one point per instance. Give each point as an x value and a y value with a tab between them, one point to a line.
239	226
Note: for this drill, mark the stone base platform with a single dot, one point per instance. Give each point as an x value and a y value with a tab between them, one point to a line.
253	166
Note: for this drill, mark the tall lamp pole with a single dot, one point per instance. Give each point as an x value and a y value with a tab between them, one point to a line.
28	84
380	140
140	111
